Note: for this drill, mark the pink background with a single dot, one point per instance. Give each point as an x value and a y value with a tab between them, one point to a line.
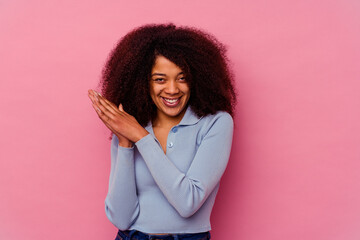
294	168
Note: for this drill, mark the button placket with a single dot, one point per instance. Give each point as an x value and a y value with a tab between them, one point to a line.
171	137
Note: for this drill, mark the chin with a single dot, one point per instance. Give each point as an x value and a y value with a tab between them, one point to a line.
173	113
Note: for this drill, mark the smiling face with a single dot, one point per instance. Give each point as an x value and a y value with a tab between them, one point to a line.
169	89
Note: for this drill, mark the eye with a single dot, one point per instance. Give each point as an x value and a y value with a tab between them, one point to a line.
182	79
159	80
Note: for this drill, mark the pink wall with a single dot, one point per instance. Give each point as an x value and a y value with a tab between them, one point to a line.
294	169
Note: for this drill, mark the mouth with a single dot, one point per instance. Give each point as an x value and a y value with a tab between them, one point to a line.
171	102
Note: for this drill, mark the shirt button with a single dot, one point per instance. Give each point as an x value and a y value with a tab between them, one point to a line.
171	144
174	130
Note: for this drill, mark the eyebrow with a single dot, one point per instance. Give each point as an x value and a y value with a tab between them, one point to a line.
163	74
159	74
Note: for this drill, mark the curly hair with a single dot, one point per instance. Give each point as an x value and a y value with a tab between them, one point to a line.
126	75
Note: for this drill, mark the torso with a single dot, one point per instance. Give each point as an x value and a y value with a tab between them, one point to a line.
161	135
184	142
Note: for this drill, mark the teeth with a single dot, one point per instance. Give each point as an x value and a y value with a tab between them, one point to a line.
171	100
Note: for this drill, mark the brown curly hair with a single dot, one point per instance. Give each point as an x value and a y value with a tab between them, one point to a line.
126	75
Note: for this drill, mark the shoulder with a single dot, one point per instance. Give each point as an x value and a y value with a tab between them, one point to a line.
220	124
220	119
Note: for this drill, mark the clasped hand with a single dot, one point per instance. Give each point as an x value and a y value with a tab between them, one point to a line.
122	124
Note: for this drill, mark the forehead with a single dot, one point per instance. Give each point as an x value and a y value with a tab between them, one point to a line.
164	65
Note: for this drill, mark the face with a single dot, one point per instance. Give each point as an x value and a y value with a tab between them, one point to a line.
169	89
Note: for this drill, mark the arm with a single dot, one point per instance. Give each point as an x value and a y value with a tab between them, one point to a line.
186	192
121	203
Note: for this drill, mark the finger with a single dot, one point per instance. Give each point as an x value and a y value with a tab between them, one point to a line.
100	114
108	111
92	93
97	93
107	106
103	113
107	103
99	97
105	120
121	108
92	98
102	118
112	105
109	126
97	110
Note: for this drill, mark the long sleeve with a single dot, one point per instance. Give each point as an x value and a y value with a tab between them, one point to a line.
187	191
121	203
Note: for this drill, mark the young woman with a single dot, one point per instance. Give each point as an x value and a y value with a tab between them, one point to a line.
168	99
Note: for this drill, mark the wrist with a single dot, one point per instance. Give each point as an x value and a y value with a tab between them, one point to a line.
140	135
124	142
126	145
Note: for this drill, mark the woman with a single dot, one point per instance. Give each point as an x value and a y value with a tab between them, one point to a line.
167	97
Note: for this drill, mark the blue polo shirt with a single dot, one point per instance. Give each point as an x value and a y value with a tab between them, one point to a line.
154	192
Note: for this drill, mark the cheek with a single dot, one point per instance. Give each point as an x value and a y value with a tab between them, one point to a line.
151	88
152	95
187	87
186	90
154	92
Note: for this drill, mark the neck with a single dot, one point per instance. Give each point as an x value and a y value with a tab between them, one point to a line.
164	121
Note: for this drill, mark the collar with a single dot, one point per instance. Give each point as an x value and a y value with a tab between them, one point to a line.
189	118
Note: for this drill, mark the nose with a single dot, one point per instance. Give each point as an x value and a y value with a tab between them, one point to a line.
172	87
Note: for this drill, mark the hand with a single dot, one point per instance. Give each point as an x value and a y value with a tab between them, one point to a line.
122	124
